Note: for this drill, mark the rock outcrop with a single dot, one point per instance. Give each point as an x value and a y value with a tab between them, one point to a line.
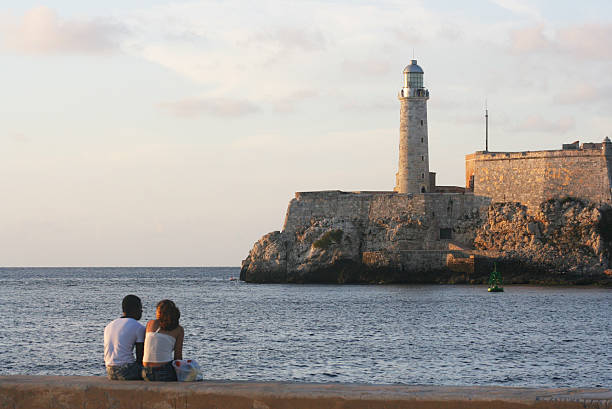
382	237
563	236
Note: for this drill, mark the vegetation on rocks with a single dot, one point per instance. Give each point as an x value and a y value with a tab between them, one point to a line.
328	238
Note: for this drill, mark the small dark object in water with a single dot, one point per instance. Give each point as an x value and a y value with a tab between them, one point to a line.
495	281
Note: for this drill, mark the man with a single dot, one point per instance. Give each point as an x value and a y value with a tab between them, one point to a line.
121	337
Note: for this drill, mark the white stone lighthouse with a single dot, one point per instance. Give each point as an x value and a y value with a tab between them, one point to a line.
413	172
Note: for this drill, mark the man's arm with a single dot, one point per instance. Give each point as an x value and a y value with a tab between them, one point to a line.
139	343
139	352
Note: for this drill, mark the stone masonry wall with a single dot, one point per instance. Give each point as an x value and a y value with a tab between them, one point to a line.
437	210
379	230
413	169
309	206
534	177
96	392
350	237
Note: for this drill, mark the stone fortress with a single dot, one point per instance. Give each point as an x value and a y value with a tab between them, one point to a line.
583	171
544	211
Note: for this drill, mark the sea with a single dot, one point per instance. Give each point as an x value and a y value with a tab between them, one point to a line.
52	322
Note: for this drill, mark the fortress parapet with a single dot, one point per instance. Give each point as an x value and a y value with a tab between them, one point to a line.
532	177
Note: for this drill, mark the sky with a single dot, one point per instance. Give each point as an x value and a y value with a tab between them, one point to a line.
175	133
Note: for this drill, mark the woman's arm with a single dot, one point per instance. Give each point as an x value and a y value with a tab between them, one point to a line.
178	346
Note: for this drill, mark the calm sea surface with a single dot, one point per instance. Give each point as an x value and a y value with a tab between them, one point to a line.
52	322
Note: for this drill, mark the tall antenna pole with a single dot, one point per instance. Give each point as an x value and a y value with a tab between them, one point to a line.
486	127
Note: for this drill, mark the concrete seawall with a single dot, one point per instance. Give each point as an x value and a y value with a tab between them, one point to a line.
72	392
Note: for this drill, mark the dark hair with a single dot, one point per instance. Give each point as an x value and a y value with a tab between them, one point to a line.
131	303
169	315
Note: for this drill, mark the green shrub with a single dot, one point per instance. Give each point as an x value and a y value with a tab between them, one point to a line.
329	238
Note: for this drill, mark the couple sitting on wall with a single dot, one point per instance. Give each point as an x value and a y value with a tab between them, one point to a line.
156	346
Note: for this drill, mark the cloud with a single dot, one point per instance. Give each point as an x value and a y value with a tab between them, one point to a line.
367	106
519	7
587	40
529	39
470	119
281	43
219	107
291	101
579	93
536	123
19	137
368	67
450	32
41	31
299	43
290	38
409	35
590	41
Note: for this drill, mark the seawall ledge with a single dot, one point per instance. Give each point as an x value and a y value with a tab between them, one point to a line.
92	392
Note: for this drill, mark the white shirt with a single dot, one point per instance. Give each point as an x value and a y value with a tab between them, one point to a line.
159	347
119	339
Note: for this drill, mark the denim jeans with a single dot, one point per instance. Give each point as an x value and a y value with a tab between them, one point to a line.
163	373
126	372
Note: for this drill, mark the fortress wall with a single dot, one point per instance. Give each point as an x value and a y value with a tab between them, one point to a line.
324	204
430	213
469	169
534	177
378	214
448	208
396	205
93	392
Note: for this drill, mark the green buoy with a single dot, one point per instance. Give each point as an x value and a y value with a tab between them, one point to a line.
495	281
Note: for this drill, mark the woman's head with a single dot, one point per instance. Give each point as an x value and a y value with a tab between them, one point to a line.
168	315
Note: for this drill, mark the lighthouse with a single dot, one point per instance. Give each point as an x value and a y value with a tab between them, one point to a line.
413	170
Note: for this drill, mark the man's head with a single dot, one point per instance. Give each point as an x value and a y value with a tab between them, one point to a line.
132	307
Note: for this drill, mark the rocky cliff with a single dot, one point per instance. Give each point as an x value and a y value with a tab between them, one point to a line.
385	237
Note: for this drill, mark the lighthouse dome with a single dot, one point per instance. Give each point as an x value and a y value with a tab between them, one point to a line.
413	67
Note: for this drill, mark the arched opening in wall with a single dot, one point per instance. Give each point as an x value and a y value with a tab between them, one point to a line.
422	189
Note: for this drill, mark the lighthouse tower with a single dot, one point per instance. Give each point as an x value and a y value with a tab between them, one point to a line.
413	172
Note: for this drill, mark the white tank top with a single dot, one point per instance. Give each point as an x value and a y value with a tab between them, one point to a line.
159	347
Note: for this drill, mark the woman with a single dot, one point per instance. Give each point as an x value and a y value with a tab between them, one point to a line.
163	336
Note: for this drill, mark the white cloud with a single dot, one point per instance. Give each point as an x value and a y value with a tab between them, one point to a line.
220	107
530	39
579	93
20	137
537	123
260	58
290	102
367	67
587	41
520	7
41	31
287	39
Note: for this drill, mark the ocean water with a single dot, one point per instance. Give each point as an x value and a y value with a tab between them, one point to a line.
52	322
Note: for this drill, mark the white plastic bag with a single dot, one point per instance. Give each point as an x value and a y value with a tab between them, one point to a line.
187	370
